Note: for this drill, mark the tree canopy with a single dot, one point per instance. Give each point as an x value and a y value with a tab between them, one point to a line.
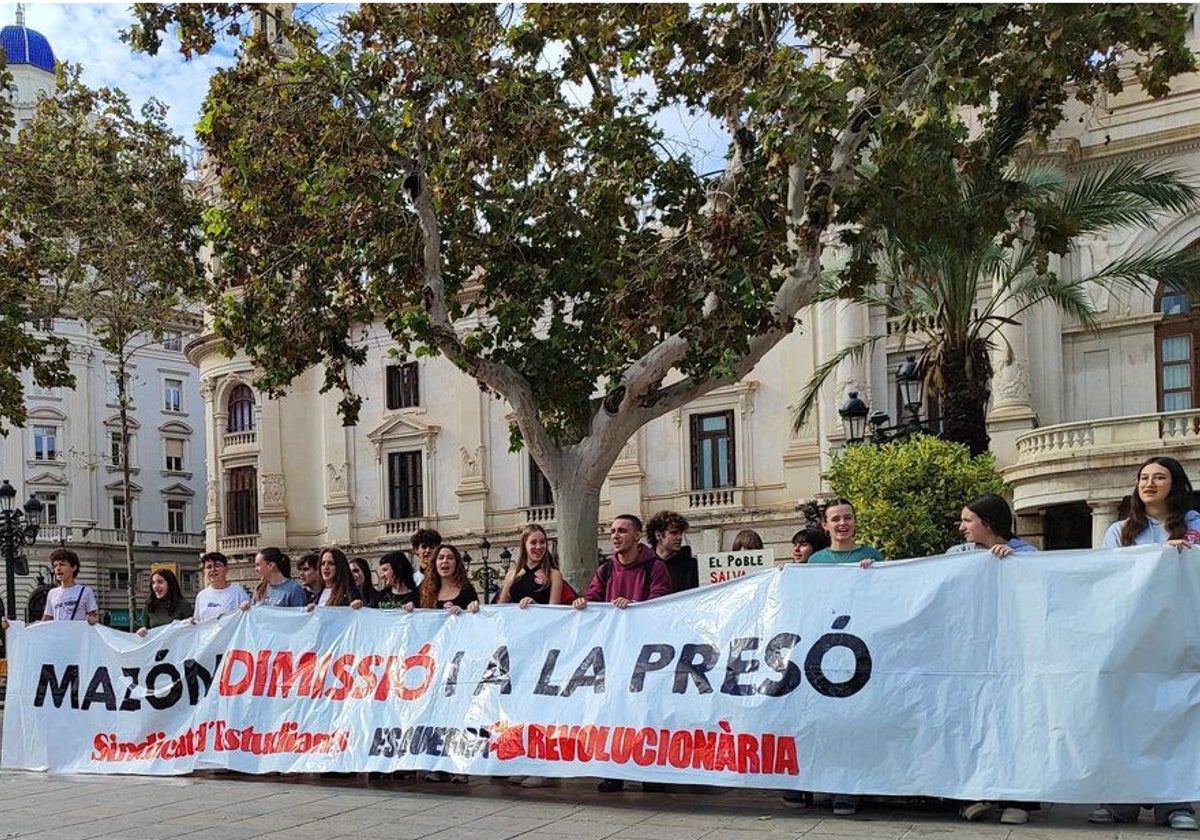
499	184
99	225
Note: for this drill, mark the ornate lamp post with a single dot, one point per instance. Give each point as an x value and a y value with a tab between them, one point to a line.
17	528
854	418
485	546
908	377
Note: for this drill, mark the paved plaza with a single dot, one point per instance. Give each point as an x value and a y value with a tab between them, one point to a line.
229	807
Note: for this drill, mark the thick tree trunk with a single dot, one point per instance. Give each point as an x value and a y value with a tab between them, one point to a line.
577	506
964	399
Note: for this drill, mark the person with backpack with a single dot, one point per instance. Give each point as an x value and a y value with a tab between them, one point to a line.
69	601
633	573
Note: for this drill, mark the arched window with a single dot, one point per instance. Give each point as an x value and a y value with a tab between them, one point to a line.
241	410
1177	350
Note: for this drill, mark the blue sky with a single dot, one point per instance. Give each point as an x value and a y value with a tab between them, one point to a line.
89	34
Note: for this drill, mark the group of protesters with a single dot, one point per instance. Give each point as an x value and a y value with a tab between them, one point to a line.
646	562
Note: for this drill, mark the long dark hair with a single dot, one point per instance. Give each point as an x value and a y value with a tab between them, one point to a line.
174	593
402	568
367	590
432	583
993	512
343	581
1179	502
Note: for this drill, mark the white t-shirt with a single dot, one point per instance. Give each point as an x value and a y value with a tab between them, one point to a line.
212	603
74	602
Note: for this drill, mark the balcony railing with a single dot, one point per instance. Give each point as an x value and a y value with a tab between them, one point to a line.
721	497
403	527
114	536
541	514
1114	434
241	439
242	542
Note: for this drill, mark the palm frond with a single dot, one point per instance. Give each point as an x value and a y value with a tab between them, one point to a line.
1040	180
1146	268
1128	193
812	389
1070	297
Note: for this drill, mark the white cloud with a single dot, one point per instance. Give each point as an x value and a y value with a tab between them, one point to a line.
88	34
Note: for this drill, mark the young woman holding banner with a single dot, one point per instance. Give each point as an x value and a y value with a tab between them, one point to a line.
534	578
337	582
986	522
1160	511
1160	508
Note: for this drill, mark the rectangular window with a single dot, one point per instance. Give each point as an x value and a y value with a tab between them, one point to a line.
49	507
172	340
713	464
118	513
43	324
114	448
174	451
189	582
118	580
177	517
45	443
172	394
1175	371
241	502
112	393
405	499
540	494
403	389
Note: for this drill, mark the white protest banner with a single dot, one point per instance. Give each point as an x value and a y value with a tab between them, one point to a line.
1062	676
725	566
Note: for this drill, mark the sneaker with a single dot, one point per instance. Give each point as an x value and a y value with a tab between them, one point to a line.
435	776
1102	816
1182	821
796	799
975	811
1014	816
537	782
611	785
844	807
460	778
517	780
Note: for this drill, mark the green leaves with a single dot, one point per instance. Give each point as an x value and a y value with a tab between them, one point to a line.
908	495
107	229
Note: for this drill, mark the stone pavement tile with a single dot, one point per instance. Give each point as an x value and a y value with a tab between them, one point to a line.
861	828
628	814
727	833
502	825
662	832
958	829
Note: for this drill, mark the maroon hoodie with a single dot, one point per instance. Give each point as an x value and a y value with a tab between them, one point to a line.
630	581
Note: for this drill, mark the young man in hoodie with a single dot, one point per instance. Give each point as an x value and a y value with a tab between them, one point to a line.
665	532
633	573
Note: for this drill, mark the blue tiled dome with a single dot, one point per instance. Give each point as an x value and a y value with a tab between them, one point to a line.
23	45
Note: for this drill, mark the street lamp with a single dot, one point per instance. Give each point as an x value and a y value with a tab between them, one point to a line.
485	546
505	559
854	417
17	528
908	377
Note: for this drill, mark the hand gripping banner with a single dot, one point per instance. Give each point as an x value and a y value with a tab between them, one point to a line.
1061	676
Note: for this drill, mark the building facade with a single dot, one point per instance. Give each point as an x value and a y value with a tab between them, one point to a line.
68	453
1073	412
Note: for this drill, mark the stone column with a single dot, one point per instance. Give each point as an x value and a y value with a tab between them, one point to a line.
473	467
1011	413
1104	514
214	429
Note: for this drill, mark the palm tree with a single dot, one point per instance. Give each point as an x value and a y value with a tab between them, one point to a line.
966	248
